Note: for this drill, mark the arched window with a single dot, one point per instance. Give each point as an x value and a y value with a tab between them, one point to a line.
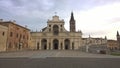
55	29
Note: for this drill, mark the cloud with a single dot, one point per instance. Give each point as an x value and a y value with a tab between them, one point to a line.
26	6
26	11
95	17
99	19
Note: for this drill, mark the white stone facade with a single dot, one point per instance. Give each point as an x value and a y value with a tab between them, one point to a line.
94	41
56	37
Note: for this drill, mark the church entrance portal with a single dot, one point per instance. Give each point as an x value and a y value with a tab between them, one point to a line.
55	44
67	44
44	44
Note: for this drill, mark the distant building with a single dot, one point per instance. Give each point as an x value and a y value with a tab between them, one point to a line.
3	37
56	37
17	36
94	41
112	45
94	45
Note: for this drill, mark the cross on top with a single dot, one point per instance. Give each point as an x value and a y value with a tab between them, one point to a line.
55	13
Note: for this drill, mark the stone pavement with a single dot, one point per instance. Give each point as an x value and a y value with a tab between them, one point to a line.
60	62
52	53
57	59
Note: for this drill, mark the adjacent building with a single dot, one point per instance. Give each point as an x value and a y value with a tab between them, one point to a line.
113	45
17	36
56	37
3	37
94	41
94	45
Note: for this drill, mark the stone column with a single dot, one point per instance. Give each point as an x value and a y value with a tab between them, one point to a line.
63	44
47	44
36	44
70	44
59	46
80	42
87	48
40	44
51	47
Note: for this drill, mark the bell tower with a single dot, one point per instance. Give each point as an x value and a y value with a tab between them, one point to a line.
72	23
118	39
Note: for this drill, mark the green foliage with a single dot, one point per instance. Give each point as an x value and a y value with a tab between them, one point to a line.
115	54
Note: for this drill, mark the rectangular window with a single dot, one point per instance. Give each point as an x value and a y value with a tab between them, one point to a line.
11	34
3	33
61	25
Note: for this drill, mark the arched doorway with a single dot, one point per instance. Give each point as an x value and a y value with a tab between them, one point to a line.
67	44
44	44
55	44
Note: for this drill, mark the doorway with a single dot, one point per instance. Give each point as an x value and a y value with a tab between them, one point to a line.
67	44
44	44
55	44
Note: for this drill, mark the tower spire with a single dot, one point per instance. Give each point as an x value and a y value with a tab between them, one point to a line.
72	23
105	37
117	33
72	16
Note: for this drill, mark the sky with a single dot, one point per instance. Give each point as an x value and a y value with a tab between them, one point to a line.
97	18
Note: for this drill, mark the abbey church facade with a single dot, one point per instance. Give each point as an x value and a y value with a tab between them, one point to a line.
56	37
52	37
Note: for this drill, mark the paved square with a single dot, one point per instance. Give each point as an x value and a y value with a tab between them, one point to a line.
53	53
57	59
